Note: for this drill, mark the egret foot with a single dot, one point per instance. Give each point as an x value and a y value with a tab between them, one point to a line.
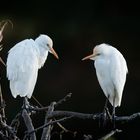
25	103
105	117
113	118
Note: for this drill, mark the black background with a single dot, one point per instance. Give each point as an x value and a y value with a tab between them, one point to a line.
76	27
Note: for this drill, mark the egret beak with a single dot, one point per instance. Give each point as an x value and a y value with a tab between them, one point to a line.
54	53
89	57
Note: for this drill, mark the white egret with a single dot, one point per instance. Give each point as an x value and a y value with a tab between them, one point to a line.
23	62
111	70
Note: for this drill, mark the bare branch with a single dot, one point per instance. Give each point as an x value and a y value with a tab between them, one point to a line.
8	129
122	119
1	30
46	108
125	119
3	136
107	136
64	99
2	110
38	109
88	137
74	114
2	27
46	134
16	122
50	123
28	123
2	61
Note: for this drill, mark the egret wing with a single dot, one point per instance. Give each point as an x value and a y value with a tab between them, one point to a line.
22	68
103	74
118	71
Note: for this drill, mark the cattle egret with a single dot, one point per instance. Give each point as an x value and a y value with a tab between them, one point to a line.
111	70
23	62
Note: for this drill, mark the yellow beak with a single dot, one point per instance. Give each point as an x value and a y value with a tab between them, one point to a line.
89	56
54	53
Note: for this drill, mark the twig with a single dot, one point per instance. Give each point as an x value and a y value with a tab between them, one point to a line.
64	99
2	29
55	105
38	109
50	123
15	122
88	137
8	129
2	111
2	61
110	134
37	101
62	127
46	108
3	136
68	96
1	37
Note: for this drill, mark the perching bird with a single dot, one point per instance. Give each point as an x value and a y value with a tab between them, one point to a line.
23	62
111	70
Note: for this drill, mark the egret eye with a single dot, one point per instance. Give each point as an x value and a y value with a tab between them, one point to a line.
48	46
97	54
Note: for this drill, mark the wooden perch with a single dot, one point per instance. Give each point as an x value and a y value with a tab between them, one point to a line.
52	117
122	119
28	123
46	135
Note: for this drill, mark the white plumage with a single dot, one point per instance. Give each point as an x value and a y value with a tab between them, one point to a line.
23	62
111	70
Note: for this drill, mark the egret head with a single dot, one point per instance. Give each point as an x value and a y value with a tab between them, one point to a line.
98	51
47	43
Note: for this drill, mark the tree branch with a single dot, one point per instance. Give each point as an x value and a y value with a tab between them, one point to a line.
16	122
125	119
68	96
2	111
46	135
49	123
107	136
28	123
122	119
3	136
47	107
9	129
55	114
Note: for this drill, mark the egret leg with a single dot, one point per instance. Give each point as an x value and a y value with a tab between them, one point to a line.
105	113
106	110
106	102
113	113
25	103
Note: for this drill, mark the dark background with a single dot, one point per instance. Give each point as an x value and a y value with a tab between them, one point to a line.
76	27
